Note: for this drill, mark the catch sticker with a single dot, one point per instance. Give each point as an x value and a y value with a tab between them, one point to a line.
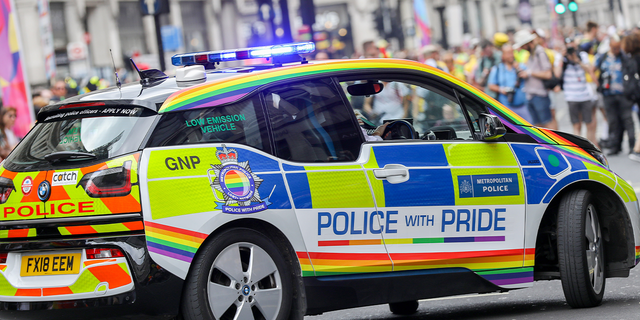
488	185
64	178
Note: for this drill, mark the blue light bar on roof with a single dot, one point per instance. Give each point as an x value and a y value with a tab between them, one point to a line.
209	57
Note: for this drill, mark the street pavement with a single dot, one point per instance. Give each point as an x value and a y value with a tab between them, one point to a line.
545	300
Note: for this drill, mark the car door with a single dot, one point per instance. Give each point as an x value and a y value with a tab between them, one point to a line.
453	201
319	141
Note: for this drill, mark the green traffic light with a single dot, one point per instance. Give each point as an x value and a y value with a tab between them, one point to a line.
560	8
573	6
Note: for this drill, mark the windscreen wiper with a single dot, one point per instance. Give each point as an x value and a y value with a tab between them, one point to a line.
69	155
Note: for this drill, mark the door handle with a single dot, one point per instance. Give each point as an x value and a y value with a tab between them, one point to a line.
393	173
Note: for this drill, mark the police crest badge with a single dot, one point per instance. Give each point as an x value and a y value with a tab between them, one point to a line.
238	185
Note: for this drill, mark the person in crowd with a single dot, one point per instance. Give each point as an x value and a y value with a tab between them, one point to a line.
500	39
587	54
8	141
488	59
370	50
631	46
322	55
538	69
590	39
455	68
392	102
504	81
578	93
618	108
431	54
39	102
59	90
556	95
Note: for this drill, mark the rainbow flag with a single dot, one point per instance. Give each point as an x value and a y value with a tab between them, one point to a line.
15	88
423	30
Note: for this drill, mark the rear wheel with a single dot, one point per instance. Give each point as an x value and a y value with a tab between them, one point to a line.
404	308
240	275
580	250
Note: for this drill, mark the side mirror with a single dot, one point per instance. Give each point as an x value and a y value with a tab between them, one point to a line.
365	89
491	127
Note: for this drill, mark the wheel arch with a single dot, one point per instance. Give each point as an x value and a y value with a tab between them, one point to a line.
299	305
619	243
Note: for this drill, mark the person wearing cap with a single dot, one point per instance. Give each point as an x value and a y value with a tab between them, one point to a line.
431	54
538	69
500	39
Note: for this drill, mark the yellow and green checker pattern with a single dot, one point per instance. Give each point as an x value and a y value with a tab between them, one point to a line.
67	198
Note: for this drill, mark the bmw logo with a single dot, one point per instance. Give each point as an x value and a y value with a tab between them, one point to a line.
246	290
44	191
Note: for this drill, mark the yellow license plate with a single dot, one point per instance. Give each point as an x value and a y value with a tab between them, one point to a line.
50	264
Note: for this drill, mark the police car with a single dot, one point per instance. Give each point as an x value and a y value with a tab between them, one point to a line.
252	192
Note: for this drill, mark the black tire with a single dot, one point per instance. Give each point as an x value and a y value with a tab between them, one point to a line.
404	308
577	253
228	250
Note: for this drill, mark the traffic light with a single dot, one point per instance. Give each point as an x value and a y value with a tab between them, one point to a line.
560	8
573	6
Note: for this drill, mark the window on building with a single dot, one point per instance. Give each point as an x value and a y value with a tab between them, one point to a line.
311	123
194	26
242	123
132	37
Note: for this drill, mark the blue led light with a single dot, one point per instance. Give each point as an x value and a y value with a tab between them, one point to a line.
292	49
228	56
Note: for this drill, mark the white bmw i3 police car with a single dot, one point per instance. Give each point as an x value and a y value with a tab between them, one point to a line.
253	193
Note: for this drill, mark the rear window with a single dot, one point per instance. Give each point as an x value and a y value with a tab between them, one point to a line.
105	137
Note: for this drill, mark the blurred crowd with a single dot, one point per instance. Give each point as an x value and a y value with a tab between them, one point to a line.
579	72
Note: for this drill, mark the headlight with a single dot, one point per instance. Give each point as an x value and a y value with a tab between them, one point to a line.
600	157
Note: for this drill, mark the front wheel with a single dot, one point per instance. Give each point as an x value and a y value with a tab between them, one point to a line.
580	250
240	275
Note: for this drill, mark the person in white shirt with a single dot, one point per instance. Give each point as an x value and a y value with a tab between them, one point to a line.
578	93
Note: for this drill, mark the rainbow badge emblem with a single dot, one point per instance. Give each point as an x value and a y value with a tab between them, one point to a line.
237	183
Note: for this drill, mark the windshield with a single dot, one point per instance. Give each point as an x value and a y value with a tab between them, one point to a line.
104	137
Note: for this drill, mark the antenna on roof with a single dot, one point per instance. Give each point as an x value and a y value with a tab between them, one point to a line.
118	83
149	77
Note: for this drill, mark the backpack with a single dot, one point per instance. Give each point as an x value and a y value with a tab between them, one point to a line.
554	81
631	79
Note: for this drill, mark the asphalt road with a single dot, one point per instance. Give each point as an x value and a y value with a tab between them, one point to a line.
544	301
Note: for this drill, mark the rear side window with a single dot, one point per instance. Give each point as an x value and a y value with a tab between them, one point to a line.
311	123
241	123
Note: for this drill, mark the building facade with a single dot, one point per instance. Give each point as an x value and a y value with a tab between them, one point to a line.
87	32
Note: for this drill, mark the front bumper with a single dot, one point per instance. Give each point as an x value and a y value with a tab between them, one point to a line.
130	285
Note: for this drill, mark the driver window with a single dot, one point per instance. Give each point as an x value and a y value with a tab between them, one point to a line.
433	116
311	122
